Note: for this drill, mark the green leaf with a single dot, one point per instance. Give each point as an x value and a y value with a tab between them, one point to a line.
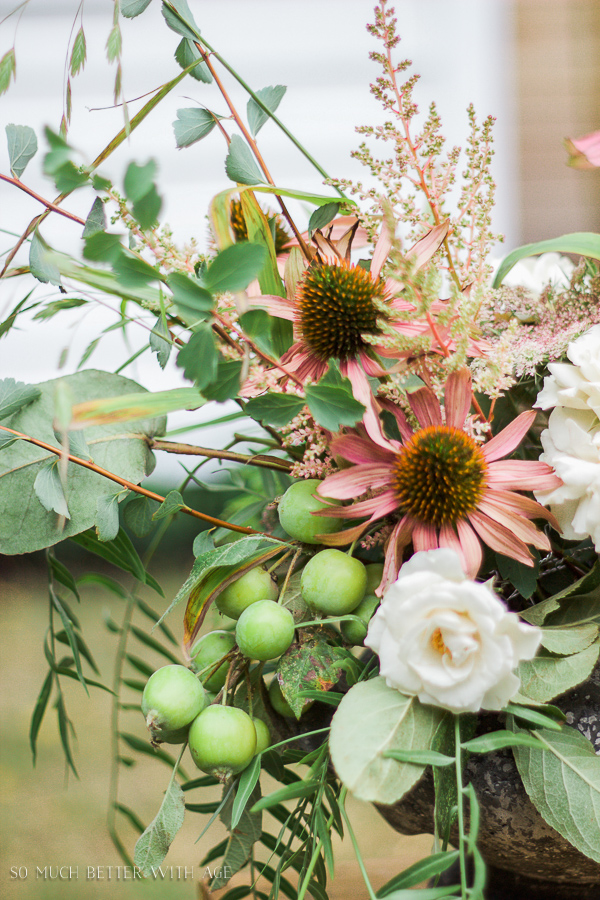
581	611
118	449
132	8
120	552
199	358
275	409
172	503
132	271
128	407
160	341
234	268
14	395
540	612
240	165
8	67
140	189
153	845
57	306
534	716
372	719
241	838
246	784
179	18
49	489
332	402
138	513
545	677
41	265
436	893
227	383
22	147
322	216
193	124
497	740
291	792
185	54
131	816
63	729
566	641
107	516
420	757
192	301
582	243
79	52
563	782
38	713
314	663
144	747
523	578
271	97
102	246
61	574
420	871
113	45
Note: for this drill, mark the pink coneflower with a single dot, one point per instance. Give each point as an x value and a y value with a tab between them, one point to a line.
439	487
341	310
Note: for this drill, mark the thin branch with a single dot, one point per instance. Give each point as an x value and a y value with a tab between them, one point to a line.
47	203
265	462
129	485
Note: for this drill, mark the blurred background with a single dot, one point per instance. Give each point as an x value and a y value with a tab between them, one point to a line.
533	64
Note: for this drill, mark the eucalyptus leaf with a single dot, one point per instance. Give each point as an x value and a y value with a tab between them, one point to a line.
22	147
372	719
14	395
107	516
118	449
49	489
240	165
153	845
271	97
172	503
563	782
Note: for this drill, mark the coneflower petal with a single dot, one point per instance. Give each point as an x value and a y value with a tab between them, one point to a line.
517	525
425	406
523	506
510	437
471	548
425	537
361	450
522	475
396	543
350	483
500	538
457	397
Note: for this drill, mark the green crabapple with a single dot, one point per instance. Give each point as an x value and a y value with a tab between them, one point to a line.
206	652
265	630
333	583
251	587
356	632
222	741
172	699
296	509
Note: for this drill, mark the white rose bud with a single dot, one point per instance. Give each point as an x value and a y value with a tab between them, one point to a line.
448	640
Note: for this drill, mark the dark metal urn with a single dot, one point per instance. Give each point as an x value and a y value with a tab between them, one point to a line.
526	858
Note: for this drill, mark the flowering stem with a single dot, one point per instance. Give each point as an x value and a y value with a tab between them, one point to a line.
459	803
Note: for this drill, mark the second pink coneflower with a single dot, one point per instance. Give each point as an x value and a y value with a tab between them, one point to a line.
438	487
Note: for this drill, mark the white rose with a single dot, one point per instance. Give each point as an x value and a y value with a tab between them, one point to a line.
447	639
575	386
535	272
572	447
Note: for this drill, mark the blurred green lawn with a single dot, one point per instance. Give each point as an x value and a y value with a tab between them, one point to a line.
51	820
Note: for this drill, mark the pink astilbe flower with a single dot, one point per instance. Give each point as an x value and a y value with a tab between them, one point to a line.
439	487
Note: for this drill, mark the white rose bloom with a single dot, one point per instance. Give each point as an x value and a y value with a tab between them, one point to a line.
535	272
447	639
572	440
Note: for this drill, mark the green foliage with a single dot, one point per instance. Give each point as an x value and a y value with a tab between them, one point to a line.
371	720
240	165
270	97
132	8
546	676
199	358
141	190
315	663
186	54
192	125
79	53
234	268
322	216
15	395
332	402
8	69
192	301
563	780
241	838
179	18
274	409
41	264
153	845
22	147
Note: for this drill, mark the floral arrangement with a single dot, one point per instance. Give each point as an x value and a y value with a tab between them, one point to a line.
415	532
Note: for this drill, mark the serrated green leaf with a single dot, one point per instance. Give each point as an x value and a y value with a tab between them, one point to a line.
371	719
153	845
275	409
199	358
192	301
22	147
234	268
240	165
179	18
107	516
546	676
563	782
41	264
332	402
193	124
580	243
322	216
8	67
161	342
140	189
566	641
132	8
227	382
15	395
79	52
271	97
185	54
49	489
